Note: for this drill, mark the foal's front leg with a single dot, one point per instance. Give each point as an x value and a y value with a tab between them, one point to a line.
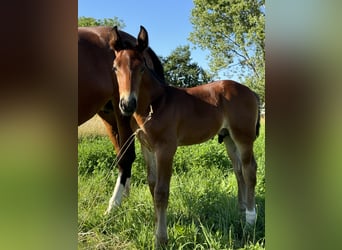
150	160
164	157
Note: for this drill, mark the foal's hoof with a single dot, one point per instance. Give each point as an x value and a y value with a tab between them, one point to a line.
161	243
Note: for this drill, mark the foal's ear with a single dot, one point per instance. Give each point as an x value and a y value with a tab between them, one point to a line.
115	41
142	40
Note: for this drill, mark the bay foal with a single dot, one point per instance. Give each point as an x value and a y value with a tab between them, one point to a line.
167	117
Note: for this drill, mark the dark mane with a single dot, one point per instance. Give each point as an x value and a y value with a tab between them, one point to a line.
158	67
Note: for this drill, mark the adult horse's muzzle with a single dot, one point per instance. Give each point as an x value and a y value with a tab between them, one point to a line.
128	106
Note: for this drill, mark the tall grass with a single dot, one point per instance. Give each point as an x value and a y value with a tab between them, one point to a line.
202	211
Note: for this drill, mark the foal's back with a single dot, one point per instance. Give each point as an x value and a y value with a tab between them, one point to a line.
236	101
204	110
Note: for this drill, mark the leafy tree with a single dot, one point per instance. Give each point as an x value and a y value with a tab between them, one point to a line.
234	33
90	21
180	71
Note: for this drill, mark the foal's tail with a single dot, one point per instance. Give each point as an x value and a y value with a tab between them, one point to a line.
257	127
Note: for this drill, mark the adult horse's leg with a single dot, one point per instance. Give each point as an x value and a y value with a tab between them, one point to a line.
119	132
108	120
236	162
126	155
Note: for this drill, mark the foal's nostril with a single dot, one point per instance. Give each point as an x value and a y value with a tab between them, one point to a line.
132	104
122	104
128	107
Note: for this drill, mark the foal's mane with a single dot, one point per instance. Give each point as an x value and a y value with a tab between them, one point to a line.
160	78
158	67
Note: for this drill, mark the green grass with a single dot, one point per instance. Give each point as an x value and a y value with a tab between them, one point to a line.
202	211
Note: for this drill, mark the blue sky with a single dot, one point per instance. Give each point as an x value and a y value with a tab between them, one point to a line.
167	22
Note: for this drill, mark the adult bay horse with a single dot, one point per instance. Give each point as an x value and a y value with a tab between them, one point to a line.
167	117
98	93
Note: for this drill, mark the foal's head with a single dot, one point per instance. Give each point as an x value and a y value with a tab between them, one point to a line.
128	66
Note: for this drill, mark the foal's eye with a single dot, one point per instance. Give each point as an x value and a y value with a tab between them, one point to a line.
114	69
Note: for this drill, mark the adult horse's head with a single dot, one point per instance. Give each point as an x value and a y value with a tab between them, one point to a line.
129	67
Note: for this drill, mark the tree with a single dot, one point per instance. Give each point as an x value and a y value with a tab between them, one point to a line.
180	71
234	33
90	21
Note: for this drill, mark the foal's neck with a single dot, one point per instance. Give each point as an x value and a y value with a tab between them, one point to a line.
151	93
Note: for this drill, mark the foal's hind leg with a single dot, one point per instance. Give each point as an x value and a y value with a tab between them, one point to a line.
150	161
237	167
244	165
249	168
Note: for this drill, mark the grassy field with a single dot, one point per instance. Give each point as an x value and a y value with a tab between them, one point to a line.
202	212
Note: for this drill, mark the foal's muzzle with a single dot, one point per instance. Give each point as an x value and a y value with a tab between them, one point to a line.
128	107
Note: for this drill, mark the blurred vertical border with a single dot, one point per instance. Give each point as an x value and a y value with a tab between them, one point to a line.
303	124
38	125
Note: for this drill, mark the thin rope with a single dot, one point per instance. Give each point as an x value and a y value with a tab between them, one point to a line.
130	140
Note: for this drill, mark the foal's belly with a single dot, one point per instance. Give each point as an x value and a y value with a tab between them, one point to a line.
198	132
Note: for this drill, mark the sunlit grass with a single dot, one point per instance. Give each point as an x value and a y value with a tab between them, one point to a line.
202	212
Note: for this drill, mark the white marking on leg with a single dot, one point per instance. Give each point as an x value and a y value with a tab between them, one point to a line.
116	198
250	216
